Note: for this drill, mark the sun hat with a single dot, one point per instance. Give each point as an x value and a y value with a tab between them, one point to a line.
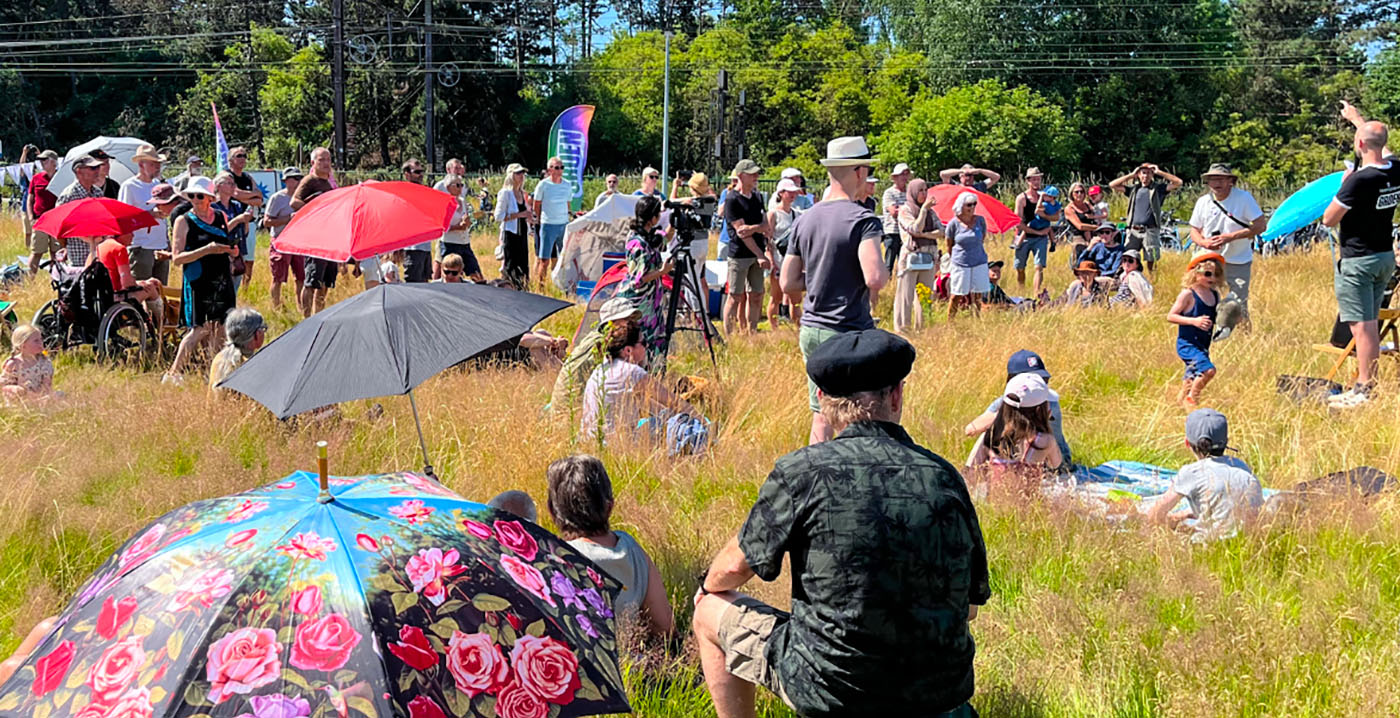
163	194
148	152
787	185
747	166
291	172
1219	169
899	169
699	182
1205	257
515	167
617	309
200	185
791	172
1087	265
1034	172
1025	391
1105	226
1025	361
1052	190
847	152
1208	429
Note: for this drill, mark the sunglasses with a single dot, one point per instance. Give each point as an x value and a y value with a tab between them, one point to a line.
651	176
240	157
451	272
1208	274
556	168
415	172
969	204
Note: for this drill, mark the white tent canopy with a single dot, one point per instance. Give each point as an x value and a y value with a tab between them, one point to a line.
120	148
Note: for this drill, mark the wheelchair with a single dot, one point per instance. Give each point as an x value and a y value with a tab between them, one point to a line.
87	312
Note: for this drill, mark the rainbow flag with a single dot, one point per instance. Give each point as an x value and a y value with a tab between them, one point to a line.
568	140
220	144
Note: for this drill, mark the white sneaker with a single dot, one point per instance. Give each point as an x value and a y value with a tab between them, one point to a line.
1349	399
175	379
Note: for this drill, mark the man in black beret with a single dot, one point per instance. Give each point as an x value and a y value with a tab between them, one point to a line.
887	558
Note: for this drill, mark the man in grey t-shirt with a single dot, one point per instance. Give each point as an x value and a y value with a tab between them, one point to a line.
834	256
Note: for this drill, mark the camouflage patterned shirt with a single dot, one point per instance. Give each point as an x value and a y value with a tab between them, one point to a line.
886	556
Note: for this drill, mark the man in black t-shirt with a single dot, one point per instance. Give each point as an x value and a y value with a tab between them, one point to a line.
750	257
1362	212
1145	208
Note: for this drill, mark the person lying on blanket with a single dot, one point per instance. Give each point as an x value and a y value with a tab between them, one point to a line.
1221	490
1022	362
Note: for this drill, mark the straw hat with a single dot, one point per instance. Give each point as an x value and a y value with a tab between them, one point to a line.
148	152
699	183
1087	265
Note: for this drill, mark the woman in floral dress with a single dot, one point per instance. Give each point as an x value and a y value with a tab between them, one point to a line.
643	286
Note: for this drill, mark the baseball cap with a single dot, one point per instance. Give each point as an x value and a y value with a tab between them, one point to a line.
87	161
163	194
1208	429
100	154
899	169
1133	253
514	168
194	159
291	172
1026	391
1025	361
747	166
791	172
1052	191
998	264
616	309
787	185
871	179
48	155
1095	190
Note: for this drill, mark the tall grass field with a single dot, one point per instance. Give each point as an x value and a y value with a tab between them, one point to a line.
1298	616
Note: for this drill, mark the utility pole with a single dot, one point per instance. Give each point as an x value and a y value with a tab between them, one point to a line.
721	105
338	79
429	79
666	114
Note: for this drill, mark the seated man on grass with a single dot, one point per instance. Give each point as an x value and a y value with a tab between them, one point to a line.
887	557
1221	490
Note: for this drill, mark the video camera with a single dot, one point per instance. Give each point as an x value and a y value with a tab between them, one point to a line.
686	217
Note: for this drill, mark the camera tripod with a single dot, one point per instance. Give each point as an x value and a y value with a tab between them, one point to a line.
684	278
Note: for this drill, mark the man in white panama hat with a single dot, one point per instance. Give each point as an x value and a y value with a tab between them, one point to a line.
149	251
834	256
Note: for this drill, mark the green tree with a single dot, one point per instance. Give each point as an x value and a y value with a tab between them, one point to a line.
987	124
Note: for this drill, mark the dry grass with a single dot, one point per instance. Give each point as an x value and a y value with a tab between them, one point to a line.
1297	618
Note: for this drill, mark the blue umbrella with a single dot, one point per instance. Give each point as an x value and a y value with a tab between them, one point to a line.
1303	207
362	597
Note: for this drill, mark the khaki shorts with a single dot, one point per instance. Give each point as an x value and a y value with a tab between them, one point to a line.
40	243
745	277
745	629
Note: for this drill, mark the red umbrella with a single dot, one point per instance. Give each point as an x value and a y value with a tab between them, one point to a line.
366	219
999	217
94	217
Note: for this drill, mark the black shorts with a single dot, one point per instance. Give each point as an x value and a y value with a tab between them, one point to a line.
470	265
417	266
321	273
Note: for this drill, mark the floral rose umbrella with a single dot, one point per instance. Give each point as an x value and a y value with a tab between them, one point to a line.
374	596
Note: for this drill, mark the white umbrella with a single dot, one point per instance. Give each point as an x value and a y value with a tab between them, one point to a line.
120	148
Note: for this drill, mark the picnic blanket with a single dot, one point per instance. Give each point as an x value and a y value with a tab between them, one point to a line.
1115	482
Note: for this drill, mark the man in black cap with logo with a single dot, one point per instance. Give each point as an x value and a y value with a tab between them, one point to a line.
887	558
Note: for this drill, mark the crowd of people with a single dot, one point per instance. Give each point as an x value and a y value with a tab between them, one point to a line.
887	559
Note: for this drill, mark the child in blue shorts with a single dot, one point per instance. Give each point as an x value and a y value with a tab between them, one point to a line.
1194	314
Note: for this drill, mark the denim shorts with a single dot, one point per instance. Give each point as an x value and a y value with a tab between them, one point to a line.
1039	246
550	238
1197	359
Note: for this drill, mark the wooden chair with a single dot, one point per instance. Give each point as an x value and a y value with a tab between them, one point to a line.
1388	327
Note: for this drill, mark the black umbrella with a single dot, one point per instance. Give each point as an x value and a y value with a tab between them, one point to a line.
385	341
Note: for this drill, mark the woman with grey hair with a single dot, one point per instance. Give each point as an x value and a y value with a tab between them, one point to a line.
968	280
245	329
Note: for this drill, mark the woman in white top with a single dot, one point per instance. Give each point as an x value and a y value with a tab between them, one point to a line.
457	239
619	392
1134	291
781	217
513	214
919	231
